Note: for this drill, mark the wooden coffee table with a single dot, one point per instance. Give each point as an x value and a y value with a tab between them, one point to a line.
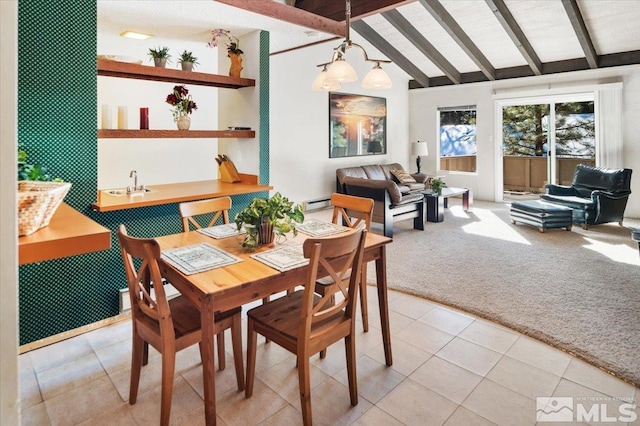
436	204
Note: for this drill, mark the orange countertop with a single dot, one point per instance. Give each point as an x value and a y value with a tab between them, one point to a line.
178	192
69	233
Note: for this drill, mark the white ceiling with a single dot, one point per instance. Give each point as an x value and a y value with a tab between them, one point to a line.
613	27
193	20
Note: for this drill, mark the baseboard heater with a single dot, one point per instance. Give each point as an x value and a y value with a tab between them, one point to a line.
317	204
125	300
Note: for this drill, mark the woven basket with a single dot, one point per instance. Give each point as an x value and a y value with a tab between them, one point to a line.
37	202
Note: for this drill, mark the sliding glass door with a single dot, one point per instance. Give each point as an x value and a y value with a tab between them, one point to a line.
543	142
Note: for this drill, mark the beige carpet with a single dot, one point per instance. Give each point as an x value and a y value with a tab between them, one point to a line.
578	291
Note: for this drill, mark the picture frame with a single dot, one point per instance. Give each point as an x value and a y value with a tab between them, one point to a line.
357	125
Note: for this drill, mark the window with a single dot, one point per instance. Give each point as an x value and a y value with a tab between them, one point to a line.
458	146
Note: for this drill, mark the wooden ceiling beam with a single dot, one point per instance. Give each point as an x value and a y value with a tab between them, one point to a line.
289	14
390	52
435	8
580	28
405	28
512	28
335	9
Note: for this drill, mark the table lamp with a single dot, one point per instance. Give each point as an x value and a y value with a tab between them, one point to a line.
419	149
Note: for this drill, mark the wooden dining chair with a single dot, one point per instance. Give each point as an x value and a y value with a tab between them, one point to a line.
192	212
167	325
304	322
354	212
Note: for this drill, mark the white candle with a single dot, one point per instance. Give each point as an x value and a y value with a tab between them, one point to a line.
106	117
122	117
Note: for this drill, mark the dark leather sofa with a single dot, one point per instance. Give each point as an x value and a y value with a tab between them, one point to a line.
393	200
597	195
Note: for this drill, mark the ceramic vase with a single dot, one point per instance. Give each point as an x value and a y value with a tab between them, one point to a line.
183	122
236	64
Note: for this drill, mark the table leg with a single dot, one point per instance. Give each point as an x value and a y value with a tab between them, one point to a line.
435	209
208	364
383	303
467	200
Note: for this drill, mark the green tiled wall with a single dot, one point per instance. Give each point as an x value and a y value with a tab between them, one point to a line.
57	90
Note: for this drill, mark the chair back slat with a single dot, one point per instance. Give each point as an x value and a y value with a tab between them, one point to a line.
218	207
140	280
354	211
337	256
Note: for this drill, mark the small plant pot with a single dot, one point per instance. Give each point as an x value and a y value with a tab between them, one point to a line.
160	62
187	66
265	234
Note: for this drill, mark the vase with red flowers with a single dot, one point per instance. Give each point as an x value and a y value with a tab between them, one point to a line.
183	105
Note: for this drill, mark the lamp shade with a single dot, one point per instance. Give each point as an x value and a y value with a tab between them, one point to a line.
341	71
376	79
419	148
321	83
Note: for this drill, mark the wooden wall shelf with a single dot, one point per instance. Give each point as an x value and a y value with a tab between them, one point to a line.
141	72
68	234
138	134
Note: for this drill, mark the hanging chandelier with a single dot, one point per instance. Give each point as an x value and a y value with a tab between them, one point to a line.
339	71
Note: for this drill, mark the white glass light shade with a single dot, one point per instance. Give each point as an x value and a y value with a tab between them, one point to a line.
321	83
341	71
376	79
419	148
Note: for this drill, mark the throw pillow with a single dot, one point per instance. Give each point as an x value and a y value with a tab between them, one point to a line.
402	176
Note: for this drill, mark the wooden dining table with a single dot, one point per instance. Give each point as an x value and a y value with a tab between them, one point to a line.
243	282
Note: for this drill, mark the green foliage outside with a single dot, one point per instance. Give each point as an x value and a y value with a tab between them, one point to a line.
525	129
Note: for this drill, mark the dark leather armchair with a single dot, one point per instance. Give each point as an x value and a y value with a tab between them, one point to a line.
597	195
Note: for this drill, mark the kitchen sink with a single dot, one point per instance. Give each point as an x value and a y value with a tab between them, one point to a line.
120	192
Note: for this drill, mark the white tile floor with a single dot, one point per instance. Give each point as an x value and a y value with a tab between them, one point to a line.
449	368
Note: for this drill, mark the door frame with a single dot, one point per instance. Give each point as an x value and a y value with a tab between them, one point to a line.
552	99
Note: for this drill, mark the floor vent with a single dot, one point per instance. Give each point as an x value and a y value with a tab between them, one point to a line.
317	204
125	301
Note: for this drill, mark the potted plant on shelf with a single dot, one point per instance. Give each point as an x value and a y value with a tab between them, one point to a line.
436	185
187	61
183	105
233	49
160	56
264	218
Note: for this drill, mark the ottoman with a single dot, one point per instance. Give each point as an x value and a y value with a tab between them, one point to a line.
541	214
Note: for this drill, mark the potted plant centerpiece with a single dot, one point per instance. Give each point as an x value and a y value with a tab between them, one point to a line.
264	218
183	105
187	61
233	49
436	185
160	56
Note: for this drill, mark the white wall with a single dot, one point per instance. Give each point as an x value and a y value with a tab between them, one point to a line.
9	391
159	161
423	104
299	127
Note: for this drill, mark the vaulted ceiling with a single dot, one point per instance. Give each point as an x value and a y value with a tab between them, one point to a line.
442	42
436	42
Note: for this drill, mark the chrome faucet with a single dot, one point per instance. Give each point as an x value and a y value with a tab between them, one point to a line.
134	174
